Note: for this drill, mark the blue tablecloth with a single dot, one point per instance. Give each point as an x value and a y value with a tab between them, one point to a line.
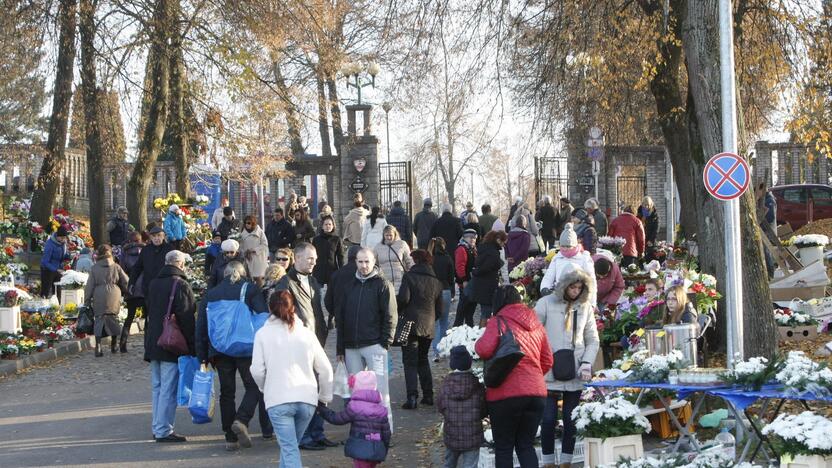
682	391
742	399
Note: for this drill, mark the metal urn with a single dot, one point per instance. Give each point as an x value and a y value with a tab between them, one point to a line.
683	337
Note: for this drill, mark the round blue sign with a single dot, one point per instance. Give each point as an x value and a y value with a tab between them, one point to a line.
726	176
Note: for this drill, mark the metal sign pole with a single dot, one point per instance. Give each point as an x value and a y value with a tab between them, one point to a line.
733	286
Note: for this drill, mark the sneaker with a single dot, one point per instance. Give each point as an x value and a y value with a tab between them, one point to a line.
172	437
232	446
268	436
242	433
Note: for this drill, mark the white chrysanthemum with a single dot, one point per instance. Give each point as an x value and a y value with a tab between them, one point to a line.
812	431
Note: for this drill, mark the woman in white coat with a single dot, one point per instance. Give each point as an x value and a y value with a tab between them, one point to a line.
254	247
571	254
287	356
373	231
568	315
393	256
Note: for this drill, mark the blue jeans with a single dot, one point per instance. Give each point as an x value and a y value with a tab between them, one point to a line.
164	378
442	323
289	421
315	431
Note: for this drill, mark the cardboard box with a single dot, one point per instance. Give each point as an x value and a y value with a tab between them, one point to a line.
805	293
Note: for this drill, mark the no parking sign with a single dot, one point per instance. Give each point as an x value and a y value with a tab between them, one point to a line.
726	176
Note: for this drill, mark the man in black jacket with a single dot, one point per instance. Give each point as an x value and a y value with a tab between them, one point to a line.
235	420
423	224
229	224
308	307
365	318
164	368
448	227
279	232
151	260
338	281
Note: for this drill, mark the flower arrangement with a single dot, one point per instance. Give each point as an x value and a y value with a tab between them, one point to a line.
804	434
753	373
10	298
613	325
72	279
614	417
708	458
163	203
809	240
461	335
792	318
653	313
201	200
801	374
613	244
656	368
528	275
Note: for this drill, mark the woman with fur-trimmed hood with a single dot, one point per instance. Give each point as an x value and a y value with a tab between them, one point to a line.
568	315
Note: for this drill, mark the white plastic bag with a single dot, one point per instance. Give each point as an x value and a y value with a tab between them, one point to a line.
340	383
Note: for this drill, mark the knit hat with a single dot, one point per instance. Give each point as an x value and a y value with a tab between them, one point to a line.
216	234
579	213
469	232
364	380
173	208
460	358
568	238
230	245
428	202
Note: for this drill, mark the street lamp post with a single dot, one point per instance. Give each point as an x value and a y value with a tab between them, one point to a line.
352	70
387	106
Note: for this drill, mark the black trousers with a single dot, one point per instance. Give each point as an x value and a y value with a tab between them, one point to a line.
227	368
465	309
47	282
514	423
132	305
417	366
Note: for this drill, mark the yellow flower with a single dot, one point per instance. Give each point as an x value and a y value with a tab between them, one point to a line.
639	332
551	255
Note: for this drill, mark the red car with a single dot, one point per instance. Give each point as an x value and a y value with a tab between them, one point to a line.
802	203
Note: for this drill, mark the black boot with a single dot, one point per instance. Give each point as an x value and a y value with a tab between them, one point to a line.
125	333
411	402
113	345
98	352
427	400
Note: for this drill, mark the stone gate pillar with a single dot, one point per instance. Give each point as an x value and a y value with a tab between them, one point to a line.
359	162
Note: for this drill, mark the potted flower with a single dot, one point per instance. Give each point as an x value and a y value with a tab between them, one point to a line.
10	299
806	440
753	373
72	287
810	247
613	244
611	429
801	374
794	325
656	368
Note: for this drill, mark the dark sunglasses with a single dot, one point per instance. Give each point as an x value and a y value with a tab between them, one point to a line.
282	259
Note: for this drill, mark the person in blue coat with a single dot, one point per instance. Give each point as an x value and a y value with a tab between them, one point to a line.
55	253
175	229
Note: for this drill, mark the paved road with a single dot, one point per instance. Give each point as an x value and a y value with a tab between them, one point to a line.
83	411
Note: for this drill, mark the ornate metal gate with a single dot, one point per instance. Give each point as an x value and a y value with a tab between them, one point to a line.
395	183
550	177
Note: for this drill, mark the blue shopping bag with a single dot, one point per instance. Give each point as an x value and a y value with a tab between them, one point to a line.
188	366
232	325
201	404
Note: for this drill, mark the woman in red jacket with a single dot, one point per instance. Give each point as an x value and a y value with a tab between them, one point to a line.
516	406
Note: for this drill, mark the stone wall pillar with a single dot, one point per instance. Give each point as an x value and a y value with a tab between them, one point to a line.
363	147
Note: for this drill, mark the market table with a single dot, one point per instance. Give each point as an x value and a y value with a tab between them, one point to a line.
683	391
739	399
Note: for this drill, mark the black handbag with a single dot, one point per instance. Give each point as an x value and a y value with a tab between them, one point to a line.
563	369
504	360
85	322
403	329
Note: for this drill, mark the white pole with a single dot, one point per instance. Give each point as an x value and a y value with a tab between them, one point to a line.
262	205
733	287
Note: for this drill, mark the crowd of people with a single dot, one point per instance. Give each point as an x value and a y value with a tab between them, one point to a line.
387	280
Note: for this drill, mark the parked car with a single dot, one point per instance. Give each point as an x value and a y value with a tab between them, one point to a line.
801	204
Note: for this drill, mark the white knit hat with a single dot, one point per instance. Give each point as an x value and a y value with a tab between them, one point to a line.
173	208
230	245
568	238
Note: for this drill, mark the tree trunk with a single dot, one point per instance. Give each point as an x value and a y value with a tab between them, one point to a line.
150	143
292	119
700	39
176	116
49	178
323	118
667	92
335	110
92	122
